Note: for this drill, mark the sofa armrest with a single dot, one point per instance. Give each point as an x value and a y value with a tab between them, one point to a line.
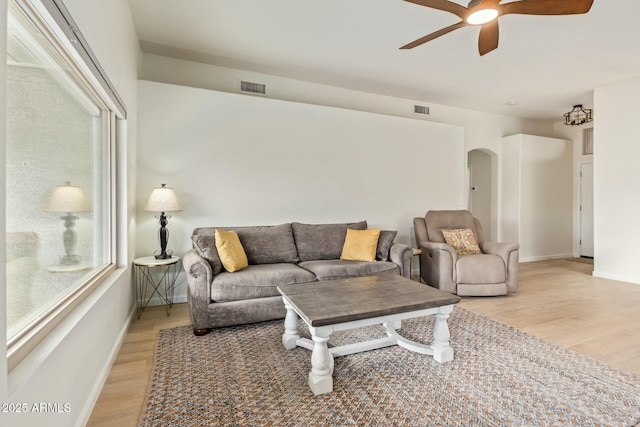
433	246
502	249
437	266
401	254
510	253
199	278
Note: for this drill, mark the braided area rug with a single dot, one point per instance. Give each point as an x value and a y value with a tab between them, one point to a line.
500	376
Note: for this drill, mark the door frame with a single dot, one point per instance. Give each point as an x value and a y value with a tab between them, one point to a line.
581	212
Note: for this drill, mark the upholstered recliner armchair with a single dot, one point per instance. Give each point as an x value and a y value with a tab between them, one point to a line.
492	272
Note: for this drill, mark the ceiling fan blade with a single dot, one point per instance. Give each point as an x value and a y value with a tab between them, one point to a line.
489	36
445	5
434	35
546	7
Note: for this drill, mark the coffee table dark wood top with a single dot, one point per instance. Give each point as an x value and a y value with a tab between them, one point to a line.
338	301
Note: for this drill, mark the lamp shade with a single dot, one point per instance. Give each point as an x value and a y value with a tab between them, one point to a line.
162	199
67	198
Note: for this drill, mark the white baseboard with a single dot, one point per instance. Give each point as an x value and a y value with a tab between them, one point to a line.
177	299
544	257
617	277
83	419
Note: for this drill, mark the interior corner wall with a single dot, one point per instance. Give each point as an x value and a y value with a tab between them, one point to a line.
616	178
238	160
510	190
537	199
575	134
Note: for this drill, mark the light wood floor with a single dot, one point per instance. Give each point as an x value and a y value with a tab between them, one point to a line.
558	300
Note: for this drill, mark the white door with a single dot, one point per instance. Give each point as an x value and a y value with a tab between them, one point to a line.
586	210
481	188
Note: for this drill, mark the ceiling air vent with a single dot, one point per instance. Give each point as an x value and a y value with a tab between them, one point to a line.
252	88
420	109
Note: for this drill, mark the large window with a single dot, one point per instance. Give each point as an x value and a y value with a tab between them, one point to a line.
59	177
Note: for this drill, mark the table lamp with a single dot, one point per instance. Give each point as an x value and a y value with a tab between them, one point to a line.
163	200
69	199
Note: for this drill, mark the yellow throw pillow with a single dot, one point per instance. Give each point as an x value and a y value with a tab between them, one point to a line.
360	245
463	241
230	250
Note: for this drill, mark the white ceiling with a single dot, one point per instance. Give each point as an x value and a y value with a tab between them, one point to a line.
544	64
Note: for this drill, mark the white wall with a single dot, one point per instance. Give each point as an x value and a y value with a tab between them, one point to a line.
481	130
511	181
538	196
259	161
616	180
71	363
575	134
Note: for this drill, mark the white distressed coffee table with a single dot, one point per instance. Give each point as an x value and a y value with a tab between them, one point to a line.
339	305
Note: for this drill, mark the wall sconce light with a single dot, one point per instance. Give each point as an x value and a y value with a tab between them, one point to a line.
578	116
69	199
163	200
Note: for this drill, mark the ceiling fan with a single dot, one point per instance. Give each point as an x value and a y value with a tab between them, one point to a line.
485	13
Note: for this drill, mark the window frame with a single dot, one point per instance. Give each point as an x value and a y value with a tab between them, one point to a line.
587	141
52	19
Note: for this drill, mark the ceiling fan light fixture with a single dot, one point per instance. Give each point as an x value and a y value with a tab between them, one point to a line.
482	16
578	116
486	13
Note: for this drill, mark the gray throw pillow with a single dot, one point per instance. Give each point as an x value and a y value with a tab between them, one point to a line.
322	241
384	244
206	247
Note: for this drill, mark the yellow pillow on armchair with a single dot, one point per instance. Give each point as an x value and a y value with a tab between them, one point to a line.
360	245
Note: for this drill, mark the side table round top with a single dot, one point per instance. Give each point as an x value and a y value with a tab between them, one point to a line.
151	261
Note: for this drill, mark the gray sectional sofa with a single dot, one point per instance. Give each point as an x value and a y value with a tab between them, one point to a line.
278	255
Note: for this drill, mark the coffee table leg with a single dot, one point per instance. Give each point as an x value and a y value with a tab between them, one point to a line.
290	336
442	351
321	375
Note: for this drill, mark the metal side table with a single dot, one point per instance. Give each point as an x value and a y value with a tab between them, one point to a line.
167	273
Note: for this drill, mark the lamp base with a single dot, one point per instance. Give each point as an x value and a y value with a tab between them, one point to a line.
163	255
163	235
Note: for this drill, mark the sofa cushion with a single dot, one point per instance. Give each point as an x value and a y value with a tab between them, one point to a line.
360	245
257	281
268	245
480	269
338	269
230	250
384	244
322	241
263	245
